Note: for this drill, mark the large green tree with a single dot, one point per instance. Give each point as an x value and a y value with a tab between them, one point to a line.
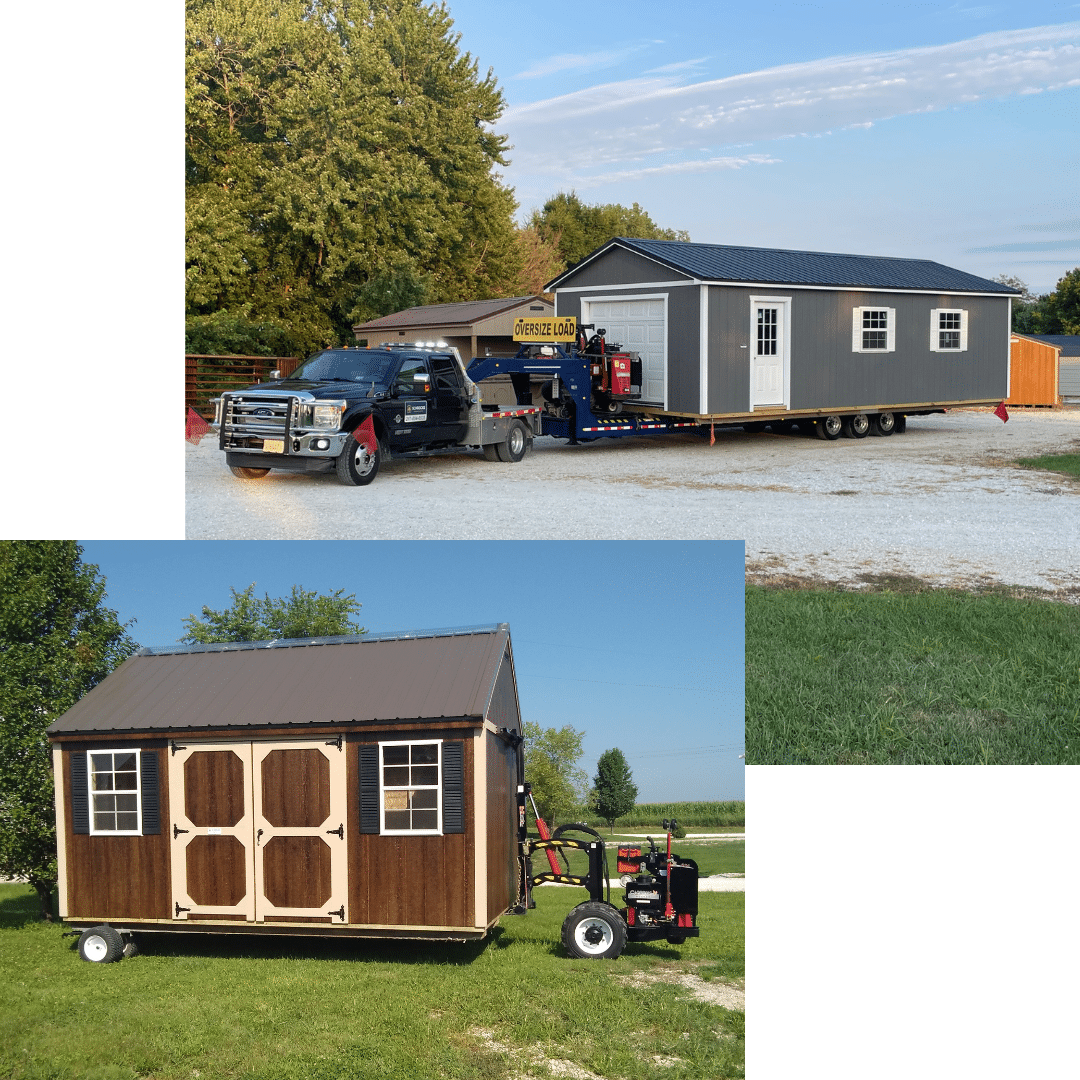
614	791
302	614
577	228
57	641
340	164
1052	313
551	769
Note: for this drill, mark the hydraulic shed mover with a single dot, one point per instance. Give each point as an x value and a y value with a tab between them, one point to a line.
364	786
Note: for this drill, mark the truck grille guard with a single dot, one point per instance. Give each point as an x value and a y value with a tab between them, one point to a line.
247	419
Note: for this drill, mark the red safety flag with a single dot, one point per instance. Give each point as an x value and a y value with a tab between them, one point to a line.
712	435
1002	413
196	427
365	435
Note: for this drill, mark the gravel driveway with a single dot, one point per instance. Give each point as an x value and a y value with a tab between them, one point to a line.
941	501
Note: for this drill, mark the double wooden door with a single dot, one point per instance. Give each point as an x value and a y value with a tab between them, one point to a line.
258	831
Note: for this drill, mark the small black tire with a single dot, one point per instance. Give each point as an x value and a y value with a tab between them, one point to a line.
244	473
782	427
676	939
884	423
754	426
491	452
829	427
857	426
594	931
356	466
130	949
516	443
101	945
901	423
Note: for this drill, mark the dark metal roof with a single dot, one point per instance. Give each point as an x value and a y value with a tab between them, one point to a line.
422	675
1068	343
720	263
462	314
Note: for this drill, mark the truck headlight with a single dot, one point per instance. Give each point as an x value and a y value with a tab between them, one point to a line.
325	415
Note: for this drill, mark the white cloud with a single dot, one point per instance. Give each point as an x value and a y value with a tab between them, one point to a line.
576	135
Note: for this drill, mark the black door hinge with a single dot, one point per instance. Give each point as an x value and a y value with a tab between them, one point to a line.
176	831
179	909
340	913
340	831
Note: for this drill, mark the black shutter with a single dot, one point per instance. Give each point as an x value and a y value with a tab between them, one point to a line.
453	787
80	793
151	818
369	788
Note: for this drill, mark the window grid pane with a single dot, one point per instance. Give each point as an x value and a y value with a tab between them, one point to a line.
411	787
114	786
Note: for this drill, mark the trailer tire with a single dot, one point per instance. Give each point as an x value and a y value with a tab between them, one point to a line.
244	473
355	466
676	939
516	443
491	452
130	949
754	426
901	423
594	931
857	426
829	427
101	945
884	423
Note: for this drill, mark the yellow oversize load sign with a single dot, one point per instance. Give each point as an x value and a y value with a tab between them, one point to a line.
546	329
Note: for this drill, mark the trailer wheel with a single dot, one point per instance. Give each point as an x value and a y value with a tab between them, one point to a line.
130	949
101	945
594	931
513	447
245	473
491	452
676	939
754	426
884	423
857	426
901	423
829	427
356	466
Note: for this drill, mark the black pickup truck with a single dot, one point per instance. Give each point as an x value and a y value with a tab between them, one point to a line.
348	409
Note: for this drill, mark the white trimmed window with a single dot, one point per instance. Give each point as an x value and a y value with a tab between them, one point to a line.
115	792
873	329
948	330
409	782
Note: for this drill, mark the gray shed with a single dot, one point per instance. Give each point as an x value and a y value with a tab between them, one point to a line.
736	331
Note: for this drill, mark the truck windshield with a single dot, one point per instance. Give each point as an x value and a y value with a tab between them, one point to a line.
353	365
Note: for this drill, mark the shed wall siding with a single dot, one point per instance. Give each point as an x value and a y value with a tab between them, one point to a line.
501	826
411	880
119	877
504	710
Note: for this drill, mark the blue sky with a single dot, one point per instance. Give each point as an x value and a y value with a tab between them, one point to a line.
925	130
638	644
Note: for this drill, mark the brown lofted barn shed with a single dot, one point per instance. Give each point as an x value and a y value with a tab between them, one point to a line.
364	786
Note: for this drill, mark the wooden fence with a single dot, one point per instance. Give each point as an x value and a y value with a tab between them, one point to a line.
205	377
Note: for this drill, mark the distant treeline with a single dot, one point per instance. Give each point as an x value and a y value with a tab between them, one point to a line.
686	813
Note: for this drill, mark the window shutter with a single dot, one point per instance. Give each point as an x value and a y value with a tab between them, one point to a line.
151	818
80	794
891	332
369	788
935	326
453	787
856	329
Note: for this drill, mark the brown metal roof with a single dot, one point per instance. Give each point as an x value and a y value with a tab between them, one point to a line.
463	314
319	681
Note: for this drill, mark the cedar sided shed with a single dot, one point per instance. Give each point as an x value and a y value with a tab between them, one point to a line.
1033	371
474	327
364	786
754	332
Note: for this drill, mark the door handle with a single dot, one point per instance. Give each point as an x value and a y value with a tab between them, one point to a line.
258	837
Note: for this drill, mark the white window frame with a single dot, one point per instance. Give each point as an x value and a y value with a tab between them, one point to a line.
936	331
95	795
857	329
437	787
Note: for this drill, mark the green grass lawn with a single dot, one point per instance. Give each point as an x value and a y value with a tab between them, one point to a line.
1066	464
914	676
279	1009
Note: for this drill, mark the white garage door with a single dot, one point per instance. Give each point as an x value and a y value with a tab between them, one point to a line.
641	327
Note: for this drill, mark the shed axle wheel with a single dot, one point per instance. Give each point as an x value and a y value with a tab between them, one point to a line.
594	931
101	945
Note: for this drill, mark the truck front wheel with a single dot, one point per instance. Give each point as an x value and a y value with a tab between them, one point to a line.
513	447
247	474
356	465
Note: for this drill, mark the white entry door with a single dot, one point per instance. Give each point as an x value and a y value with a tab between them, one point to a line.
640	326
768	352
